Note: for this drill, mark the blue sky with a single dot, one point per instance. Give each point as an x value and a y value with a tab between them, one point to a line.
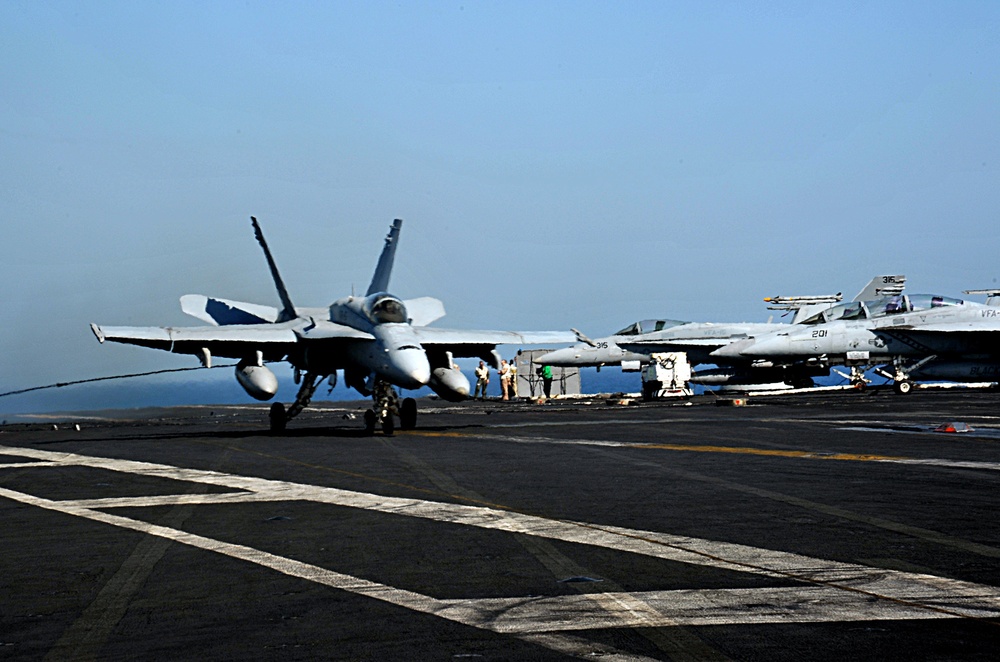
557	164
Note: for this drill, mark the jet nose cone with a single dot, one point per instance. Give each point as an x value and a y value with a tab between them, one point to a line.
557	356
734	350
411	368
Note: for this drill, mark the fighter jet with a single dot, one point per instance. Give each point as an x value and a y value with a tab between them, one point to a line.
378	340
917	337
637	342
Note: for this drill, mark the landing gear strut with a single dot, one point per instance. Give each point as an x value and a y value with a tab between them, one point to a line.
280	417
857	378
902	374
386	407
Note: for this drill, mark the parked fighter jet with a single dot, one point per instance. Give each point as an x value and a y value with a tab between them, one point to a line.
699	339
378	340
920	337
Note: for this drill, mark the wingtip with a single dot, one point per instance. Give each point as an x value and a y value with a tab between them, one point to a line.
97	332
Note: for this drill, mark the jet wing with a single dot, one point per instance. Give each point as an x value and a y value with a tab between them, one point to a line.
234	341
424	310
465	343
223	312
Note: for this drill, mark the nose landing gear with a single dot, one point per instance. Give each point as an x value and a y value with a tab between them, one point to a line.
386	407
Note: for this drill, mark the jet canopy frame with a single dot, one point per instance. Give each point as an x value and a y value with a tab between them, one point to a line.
647	326
896	304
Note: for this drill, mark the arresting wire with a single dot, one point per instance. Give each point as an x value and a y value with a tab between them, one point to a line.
101	379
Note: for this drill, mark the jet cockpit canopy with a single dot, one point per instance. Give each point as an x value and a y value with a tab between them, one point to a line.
891	305
384	308
647	326
850	310
903	303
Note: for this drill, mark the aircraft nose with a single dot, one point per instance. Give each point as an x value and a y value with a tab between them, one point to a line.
735	350
557	356
411	367
753	348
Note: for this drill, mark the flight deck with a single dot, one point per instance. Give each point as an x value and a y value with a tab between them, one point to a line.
820	526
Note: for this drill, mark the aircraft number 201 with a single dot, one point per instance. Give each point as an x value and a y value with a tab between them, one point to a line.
819	333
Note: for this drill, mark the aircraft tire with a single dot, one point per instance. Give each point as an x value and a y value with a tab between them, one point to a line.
388	425
408	414
903	387
369	422
278	418
860	387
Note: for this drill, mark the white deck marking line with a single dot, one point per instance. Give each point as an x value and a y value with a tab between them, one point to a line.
292	568
904	593
576	612
24	465
286	566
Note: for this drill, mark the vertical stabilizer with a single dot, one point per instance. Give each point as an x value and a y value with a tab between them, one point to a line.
380	281
882	286
287	309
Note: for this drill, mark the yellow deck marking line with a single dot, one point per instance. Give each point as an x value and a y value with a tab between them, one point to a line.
744	450
749	450
877	593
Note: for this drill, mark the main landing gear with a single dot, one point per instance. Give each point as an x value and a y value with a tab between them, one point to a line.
386	407
279	416
903	384
901	372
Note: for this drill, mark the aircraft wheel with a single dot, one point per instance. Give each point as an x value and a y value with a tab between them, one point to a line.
803	382
408	414
278	417
388	425
903	387
861	387
369	422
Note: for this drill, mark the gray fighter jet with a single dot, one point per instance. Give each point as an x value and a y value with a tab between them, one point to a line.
917	337
699	340
377	340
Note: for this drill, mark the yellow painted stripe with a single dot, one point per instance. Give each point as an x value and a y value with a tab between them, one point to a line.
812	455
741	450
